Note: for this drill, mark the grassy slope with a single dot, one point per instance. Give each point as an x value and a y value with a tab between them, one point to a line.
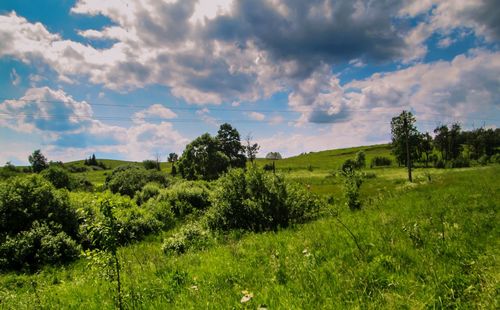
424	244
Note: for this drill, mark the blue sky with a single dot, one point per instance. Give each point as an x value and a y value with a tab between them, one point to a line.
132	79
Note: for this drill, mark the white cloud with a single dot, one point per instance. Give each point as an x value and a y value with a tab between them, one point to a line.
154	112
256	116
14	77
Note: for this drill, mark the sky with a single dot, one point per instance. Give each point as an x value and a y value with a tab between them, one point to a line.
139	78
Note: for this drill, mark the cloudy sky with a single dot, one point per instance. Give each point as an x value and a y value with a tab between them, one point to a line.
128	79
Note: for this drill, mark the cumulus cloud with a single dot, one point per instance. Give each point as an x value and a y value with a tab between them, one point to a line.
256	116
14	77
69	127
154	112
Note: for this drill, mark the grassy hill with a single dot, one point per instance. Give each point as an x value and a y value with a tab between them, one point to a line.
433	243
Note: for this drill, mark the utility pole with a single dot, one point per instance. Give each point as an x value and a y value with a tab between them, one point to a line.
408	160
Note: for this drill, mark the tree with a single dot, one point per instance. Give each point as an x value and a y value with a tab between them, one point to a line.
273	155
425	146
441	140
360	160
38	161
203	159
172	157
251	149
404	139
230	144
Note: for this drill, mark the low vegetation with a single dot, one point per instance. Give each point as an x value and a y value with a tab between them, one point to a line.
272	234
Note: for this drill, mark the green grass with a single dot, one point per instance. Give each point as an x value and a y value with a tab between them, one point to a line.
433	243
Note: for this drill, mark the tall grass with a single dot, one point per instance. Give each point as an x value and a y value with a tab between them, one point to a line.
430	244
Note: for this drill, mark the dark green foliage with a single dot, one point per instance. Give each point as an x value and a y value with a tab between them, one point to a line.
172	157
149	191
75	169
133	223
459	162
269	167
483	160
255	200
352	183
360	160
129	179
495	158
28	207
230	144
273	155
378	161
186	197
58	176
38	161
24	200
203	159
150	164
440	164
190	236
349	164
38	246
402	130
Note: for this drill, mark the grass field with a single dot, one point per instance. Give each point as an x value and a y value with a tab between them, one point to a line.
433	243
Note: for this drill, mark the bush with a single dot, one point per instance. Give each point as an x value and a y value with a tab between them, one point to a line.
75	169
151	164
150	190
439	164
349	164
352	183
269	167
483	160
186	197
360	160
36	247
32	198
460	162
255	200
495	158
129	179
190	236
379	161
58	176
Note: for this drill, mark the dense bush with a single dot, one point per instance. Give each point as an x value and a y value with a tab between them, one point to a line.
27	199
349	164
483	160
75	168
186	197
495	158
58	176
191	235
134	223
255	200
380	161
440	164
150	164
150	190
35	247
129	179
459	162
37	224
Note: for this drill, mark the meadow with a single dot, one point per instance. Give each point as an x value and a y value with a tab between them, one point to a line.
432	243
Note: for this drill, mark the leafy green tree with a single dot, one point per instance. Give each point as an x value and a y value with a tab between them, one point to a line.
172	157
441	140
58	176
251	149
230	144
360	160
405	138
38	161
425	146
203	159
273	155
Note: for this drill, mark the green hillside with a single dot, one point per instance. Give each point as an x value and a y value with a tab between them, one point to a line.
432	243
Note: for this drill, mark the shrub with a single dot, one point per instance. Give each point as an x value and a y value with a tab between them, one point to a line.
129	179
460	162
495	158
190	236
269	167
161	211
75	169
352	183
134	223
151	164
32	198
483	160
35	247
380	161
186	197
149	191
439	164
255	200
360	160
58	176
349	164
